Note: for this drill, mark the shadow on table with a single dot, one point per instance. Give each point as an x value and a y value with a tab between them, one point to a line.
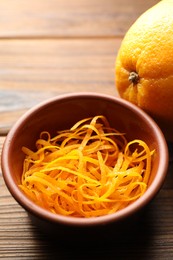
132	243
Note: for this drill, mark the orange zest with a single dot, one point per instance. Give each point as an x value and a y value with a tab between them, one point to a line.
89	170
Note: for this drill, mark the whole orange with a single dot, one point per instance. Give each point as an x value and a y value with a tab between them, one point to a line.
144	65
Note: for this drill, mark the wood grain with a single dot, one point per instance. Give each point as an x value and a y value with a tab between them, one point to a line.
64	18
53	65
34	70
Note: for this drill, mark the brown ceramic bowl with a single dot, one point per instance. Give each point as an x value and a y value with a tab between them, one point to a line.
62	112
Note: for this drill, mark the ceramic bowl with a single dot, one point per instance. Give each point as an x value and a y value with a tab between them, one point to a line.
61	113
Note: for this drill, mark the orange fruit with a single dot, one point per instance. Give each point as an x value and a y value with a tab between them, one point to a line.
144	65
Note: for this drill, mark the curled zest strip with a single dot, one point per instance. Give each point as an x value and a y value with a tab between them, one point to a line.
89	170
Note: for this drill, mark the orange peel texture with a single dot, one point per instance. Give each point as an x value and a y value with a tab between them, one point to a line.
89	170
143	69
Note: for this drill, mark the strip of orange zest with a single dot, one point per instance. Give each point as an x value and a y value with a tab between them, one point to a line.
87	171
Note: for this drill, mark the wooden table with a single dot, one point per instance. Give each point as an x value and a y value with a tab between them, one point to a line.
50	47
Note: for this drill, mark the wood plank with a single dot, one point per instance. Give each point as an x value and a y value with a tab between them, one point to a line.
34	70
64	18
53	64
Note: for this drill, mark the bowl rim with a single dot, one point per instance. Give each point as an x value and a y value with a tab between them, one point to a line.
38	211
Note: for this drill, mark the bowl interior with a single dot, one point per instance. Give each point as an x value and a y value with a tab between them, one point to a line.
62	112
